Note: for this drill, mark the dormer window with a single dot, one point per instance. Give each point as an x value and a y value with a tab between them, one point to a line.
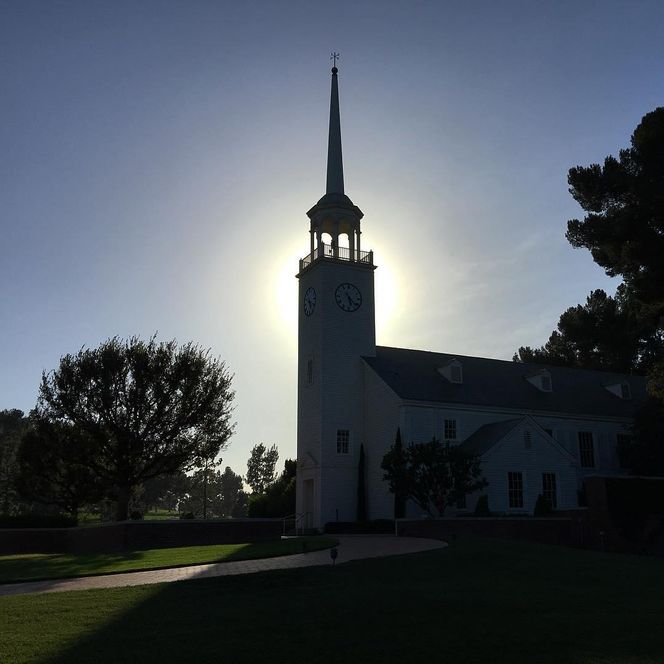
621	390
541	380
452	371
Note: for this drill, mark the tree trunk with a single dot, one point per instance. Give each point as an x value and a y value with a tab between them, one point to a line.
122	513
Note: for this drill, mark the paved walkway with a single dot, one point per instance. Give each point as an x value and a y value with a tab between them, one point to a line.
351	547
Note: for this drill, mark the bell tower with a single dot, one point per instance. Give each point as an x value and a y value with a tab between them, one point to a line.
336	327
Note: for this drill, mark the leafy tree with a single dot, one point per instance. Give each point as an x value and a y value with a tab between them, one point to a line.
12	426
232	497
52	467
607	333
164	491
278	500
144	409
260	467
436	474
395	465
643	453
624	204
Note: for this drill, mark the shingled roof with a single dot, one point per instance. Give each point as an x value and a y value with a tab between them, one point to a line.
414	375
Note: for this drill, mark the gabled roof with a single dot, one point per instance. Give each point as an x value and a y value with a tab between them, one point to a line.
487	436
413	375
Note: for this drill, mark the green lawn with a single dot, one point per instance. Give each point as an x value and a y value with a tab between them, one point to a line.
482	601
31	567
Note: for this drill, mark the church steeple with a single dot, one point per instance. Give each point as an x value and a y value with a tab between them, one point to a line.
335	214
335	164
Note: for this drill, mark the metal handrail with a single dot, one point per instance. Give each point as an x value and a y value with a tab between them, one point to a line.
326	251
299	518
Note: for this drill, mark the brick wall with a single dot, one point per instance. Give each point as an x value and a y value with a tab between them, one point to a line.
566	531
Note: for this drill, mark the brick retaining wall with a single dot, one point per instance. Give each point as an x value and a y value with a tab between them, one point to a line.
567	531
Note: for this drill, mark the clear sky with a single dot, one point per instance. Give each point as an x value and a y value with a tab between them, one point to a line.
157	160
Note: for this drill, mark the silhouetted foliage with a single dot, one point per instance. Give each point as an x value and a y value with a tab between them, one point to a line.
624	204
278	500
624	231
482	506
435	474
164	491
221	496
643	453
542	507
361	488
396	466
606	333
260	467
13	424
53	467
143	409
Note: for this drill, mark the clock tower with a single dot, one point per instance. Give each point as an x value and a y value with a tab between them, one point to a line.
336	328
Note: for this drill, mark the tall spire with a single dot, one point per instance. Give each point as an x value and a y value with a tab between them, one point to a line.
335	166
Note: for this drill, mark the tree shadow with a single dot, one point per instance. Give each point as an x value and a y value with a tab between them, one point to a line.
497	602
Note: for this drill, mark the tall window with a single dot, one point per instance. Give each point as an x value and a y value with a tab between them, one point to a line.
625	392
310	372
515	489
450	431
549	489
586	449
343	441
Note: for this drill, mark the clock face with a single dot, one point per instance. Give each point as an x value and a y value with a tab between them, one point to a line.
348	297
309	301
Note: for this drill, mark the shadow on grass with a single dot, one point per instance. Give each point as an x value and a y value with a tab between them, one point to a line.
473	602
62	566
53	567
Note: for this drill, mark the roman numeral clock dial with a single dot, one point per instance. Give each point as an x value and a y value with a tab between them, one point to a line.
348	297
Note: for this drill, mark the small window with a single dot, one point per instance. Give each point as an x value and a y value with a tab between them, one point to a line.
450	430
586	449
515	489
310	372
455	373
343	441
461	503
545	382
527	438
549	489
625	392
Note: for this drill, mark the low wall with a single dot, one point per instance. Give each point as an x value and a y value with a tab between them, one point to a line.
135	535
567	531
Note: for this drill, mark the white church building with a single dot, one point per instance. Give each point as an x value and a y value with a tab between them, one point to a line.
537	429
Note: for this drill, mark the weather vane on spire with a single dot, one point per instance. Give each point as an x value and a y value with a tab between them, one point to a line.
333	56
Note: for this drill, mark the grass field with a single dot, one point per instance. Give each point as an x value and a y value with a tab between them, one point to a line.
31	567
477	601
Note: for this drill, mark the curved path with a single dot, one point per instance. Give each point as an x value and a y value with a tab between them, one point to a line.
351	547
